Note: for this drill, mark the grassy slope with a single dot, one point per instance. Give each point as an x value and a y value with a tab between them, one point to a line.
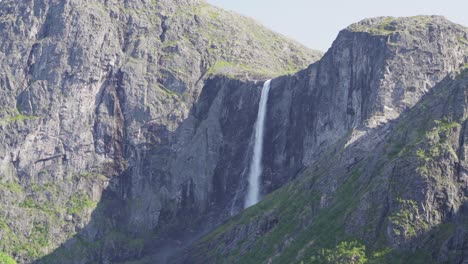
237	46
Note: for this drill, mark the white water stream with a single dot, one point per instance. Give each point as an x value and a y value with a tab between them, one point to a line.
255	173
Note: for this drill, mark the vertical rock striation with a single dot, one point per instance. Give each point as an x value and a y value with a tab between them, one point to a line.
375	70
374	133
96	95
126	124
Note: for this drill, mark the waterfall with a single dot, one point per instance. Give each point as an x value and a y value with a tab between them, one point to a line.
253	194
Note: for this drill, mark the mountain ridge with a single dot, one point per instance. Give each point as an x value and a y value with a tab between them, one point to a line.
91	88
303	219
133	151
290	98
292	222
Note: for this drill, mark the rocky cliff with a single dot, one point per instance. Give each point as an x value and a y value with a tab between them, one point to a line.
126	130
375	135
97	117
398	194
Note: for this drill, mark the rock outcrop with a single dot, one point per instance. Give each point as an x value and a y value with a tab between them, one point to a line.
362	82
376	132
126	129
400	190
96	95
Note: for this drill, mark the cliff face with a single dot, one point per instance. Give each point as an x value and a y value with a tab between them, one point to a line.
396	195
96	95
376	130
362	82
126	130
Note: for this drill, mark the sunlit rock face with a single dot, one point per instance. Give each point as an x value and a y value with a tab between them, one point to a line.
126	126
373	137
95	96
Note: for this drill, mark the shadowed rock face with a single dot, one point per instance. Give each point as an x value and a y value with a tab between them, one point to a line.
349	93
400	190
115	102
98	94
373	123
362	82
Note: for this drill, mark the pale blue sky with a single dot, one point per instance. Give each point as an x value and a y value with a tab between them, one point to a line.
316	23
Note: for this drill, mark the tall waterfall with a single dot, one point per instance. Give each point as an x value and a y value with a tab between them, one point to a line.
255	172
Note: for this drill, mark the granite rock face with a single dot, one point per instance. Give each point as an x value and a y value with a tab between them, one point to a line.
400	191
96	95
364	81
126	130
375	135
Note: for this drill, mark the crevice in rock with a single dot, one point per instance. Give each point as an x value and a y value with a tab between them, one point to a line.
461	151
164	28
50	158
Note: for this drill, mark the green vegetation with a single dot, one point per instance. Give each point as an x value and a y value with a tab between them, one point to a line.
92	175
445	125
32	204
5	259
167	91
13	116
421	153
406	221
83	248
305	224
12	186
169	43
434	144
35	243
221	65
344	253
40	235
223	68
288	209
218	26
32	246
388	25
385	27
9	241
463	40
78	203
233	70
28	203
17	117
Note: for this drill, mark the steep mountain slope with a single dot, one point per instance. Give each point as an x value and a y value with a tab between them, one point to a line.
126	126
400	190
91	92
363	81
385	176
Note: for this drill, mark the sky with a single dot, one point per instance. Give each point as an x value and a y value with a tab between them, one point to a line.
316	23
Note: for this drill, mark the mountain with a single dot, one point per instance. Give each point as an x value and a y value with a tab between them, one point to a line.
95	97
127	130
379	127
398	192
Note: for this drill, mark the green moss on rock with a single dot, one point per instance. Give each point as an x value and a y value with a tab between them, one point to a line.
79	202
406	220
5	259
344	253
12	186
